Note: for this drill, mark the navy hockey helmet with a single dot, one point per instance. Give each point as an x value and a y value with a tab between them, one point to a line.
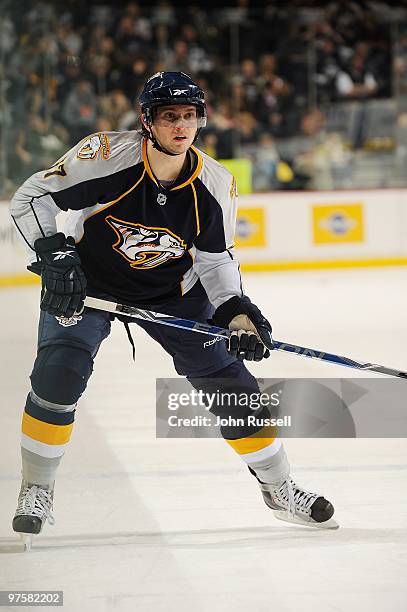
167	89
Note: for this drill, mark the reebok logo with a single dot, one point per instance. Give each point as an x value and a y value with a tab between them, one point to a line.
62	254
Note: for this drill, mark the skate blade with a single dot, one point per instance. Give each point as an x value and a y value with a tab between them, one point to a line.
281	515
27	540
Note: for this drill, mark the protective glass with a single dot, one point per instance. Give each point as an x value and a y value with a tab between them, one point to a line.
178	118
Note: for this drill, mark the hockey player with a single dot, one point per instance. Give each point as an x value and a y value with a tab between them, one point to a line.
151	223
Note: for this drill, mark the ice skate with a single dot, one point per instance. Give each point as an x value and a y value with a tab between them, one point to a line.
34	508
293	504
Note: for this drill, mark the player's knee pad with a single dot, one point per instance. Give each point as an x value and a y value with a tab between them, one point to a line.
236	396
61	373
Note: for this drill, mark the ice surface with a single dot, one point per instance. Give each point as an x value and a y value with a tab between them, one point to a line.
146	524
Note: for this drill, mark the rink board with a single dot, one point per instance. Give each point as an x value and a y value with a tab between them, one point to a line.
322	229
286	231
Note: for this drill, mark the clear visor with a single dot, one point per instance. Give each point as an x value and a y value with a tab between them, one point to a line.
174	117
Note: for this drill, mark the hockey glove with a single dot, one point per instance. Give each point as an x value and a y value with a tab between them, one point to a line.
63	280
251	332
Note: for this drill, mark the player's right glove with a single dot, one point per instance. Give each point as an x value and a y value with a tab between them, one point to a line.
251	336
63	280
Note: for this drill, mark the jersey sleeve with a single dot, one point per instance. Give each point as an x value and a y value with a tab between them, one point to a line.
215	262
79	179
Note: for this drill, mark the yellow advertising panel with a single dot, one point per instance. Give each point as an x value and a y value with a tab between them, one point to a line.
250	227
337	223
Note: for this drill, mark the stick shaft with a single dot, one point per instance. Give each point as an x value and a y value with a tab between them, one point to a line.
213	330
304	351
156	317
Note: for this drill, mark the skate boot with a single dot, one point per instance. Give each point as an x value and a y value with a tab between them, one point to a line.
293	504
34	508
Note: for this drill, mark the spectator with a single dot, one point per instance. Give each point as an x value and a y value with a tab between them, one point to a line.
178	58
250	84
209	143
80	110
400	64
269	71
266	159
128	42
142	25
69	41
99	74
223	117
327	69
83	65
312	122
199	60
114	106
37	146
248	128
7	35
294	52
357	82
103	124
134	76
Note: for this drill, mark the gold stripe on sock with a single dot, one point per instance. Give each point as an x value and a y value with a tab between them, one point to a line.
45	432
255	442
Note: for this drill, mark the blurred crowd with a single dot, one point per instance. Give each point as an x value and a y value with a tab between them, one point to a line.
73	68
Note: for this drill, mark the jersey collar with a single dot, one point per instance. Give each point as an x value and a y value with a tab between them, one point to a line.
195	173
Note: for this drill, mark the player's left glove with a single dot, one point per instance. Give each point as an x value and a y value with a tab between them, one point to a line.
251	337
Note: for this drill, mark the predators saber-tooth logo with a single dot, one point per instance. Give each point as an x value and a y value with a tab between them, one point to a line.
91	147
145	247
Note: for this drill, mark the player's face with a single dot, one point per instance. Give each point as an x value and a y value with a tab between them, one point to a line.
175	127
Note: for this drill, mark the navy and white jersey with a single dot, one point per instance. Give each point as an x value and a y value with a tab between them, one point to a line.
138	241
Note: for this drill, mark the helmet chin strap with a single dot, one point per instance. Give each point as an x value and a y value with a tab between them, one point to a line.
158	146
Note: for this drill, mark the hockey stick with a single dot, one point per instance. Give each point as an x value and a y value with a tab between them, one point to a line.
212	330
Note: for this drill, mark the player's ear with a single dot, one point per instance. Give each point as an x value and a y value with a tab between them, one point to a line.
144	124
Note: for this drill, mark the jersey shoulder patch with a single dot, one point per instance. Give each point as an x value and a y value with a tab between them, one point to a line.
94	145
